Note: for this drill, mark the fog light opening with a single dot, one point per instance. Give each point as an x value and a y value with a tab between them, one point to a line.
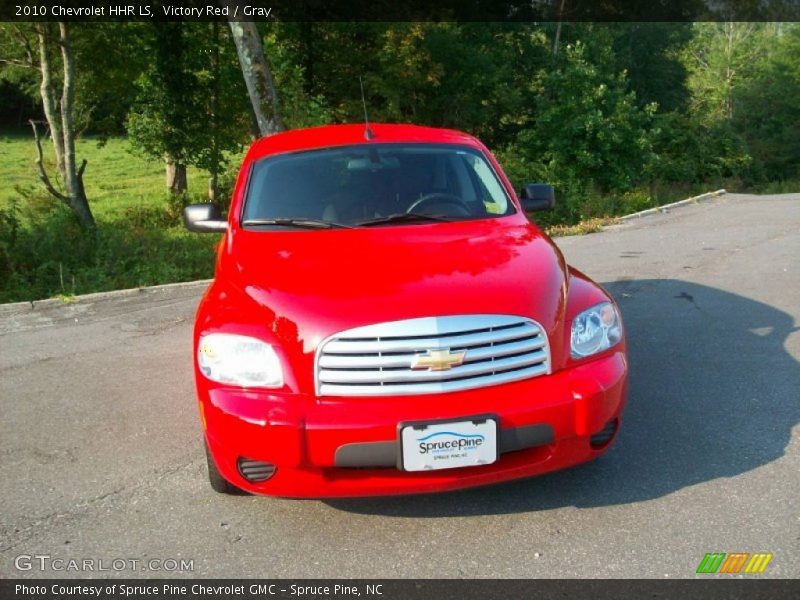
255	471
604	436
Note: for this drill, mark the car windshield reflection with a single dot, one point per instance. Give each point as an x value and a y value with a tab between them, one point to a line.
374	184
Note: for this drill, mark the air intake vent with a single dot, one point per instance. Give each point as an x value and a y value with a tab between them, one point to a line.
431	355
255	470
601	438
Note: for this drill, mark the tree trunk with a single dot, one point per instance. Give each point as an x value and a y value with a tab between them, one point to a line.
49	96
176	177
80	203
254	131
213	187
257	76
558	29
67	130
215	141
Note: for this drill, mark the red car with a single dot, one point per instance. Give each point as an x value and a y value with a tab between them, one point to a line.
386	320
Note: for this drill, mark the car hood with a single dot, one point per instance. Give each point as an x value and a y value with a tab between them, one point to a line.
312	284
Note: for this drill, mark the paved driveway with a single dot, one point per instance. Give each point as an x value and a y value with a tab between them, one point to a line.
101	453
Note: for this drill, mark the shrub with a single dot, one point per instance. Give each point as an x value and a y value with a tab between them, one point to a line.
51	255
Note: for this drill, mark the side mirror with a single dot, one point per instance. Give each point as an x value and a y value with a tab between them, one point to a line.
204	218
537	196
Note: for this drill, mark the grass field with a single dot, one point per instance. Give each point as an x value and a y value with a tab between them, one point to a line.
139	240
115	177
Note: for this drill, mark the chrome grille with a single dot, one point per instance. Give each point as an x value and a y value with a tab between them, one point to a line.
376	360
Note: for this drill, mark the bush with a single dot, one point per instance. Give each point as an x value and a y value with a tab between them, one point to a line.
175	204
226	181
780	187
9	227
50	255
633	201
151	217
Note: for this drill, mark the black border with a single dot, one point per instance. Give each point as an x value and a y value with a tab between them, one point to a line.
703	588
432	10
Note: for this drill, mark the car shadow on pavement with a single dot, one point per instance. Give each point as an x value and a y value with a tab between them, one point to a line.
712	393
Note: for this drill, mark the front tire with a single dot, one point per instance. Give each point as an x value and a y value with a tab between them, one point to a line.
218	483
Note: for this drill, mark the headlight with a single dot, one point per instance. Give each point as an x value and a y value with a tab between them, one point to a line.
239	360
594	330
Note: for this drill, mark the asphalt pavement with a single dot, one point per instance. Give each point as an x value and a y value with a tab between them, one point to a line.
101	456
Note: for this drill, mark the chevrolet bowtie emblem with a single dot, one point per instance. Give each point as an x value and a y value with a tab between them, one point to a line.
438	360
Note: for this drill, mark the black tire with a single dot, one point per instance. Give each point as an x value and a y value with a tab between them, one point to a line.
218	483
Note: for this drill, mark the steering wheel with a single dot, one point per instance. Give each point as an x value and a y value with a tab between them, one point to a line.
439	198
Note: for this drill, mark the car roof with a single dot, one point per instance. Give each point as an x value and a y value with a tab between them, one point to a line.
347	135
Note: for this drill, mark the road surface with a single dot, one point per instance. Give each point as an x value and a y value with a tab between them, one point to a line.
102	460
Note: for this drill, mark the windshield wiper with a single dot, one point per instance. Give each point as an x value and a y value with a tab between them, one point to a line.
402	218
301	223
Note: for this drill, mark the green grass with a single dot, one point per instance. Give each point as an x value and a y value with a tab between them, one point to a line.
139	240
115	177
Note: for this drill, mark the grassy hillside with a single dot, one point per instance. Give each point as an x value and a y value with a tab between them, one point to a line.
140	240
115	177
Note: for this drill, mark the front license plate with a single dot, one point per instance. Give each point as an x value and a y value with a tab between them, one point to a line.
432	446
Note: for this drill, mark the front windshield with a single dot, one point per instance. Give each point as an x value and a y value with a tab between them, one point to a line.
374	184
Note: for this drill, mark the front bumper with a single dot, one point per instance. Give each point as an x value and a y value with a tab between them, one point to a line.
339	447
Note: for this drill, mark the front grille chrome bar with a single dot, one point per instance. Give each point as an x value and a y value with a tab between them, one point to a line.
378	360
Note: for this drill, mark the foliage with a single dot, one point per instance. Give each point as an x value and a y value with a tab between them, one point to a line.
18	61
109	58
161	122
745	80
618	116
300	107
769	115
696	152
190	104
589	138
588	126
139	249
650	54
467	75
719	58
139	240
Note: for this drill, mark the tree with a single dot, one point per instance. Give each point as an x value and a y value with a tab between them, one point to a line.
720	58
42	46
191	107
472	76
650	54
103	93
106	91
589	128
162	120
222	97
19	75
257	76
768	115
318	65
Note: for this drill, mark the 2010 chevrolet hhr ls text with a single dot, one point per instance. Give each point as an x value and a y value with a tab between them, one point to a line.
385	319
